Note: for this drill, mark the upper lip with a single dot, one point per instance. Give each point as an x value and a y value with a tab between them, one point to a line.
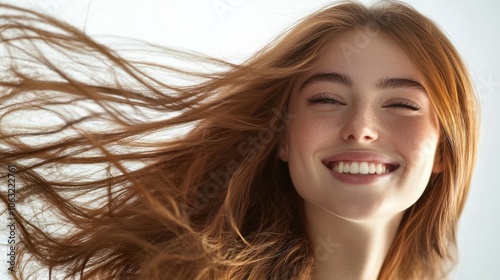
360	156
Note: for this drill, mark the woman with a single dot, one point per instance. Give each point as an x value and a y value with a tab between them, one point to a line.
341	151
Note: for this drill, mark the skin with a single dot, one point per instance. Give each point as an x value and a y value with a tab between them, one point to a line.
352	225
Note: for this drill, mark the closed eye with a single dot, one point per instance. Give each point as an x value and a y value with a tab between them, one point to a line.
324	99
405	104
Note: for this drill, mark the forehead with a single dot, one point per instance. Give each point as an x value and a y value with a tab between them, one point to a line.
365	54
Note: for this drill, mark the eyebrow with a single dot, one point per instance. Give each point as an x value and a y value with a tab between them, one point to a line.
399	83
386	83
328	77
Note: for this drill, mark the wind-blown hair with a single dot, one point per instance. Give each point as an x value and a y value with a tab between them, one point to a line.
214	202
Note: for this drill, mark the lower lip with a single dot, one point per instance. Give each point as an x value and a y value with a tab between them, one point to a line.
358	179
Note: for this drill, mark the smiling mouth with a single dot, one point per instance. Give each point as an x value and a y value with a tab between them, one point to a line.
361	167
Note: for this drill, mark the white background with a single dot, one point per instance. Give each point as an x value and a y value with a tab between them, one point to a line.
235	29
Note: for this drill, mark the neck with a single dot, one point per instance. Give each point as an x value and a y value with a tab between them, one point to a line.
347	249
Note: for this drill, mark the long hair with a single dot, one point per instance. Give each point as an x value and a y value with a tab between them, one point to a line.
104	190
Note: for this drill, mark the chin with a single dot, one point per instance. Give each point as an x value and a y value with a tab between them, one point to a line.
361	211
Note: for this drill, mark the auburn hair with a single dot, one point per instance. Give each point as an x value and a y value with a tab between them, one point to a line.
106	187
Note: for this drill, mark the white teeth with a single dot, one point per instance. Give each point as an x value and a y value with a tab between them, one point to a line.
360	168
372	168
363	168
354	169
346	168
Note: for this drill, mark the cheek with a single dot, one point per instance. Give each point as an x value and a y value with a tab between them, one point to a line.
305	137
416	140
302	138
308	133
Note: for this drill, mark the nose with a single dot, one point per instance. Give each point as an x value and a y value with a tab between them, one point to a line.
360	126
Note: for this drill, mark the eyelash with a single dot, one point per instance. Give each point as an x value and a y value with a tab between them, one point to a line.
324	99
404	104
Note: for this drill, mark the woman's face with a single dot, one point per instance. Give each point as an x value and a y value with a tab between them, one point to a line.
362	134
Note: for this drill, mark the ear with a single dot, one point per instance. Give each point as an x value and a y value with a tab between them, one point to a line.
283	149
